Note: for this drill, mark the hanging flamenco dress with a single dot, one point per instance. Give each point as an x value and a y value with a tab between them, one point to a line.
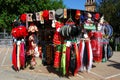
31	51
97	56
96	38
57	42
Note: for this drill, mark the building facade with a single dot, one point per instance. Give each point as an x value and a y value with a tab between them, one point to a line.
90	5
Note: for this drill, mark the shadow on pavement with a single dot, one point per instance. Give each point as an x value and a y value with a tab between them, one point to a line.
57	72
114	64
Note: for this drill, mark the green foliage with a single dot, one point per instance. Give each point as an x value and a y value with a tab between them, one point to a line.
111	11
11	9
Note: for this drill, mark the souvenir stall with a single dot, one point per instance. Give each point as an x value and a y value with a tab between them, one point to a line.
68	39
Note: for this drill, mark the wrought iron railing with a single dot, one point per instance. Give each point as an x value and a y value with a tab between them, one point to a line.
6	42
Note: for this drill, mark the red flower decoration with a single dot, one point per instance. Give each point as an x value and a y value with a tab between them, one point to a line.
58	25
14	32
23	17
45	14
19	32
97	16
22	31
77	16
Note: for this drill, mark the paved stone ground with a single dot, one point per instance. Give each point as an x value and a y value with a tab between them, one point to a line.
109	70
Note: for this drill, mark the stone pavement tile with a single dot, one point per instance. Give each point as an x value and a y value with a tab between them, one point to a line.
8	57
32	75
90	76
113	78
109	68
2	54
105	70
101	71
17	75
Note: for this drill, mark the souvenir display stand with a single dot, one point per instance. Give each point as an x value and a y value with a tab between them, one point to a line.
70	40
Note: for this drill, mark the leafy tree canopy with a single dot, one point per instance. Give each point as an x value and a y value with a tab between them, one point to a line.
11	9
111	11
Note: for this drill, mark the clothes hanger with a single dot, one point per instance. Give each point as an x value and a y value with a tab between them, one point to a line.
70	21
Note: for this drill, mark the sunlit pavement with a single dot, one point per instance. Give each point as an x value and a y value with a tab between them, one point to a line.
109	70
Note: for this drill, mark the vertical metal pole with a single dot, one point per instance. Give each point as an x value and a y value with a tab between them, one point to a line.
115	47
26	21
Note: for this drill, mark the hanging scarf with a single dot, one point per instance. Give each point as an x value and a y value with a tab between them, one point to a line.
77	59
81	52
72	59
85	57
57	56
63	60
68	57
22	55
18	55
49	52
89	54
44	54
14	56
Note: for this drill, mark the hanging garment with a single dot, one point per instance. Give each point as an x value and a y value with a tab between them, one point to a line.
97	46
31	51
44	54
22	55
14	56
78	62
57	39
49	56
81	52
63	60
57	56
89	54
72	59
